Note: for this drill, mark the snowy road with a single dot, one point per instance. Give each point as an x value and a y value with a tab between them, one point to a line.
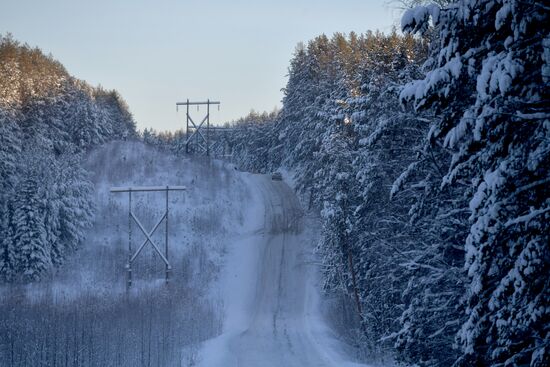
272	317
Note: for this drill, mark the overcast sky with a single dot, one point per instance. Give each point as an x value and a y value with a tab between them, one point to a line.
158	52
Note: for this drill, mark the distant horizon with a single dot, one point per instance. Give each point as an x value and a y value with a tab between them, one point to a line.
152	54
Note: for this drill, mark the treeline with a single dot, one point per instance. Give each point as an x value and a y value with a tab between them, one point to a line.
428	158
165	140
47	120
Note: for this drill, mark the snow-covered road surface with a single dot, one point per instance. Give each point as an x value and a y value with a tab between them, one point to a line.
270	301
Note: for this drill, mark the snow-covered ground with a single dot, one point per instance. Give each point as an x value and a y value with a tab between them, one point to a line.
241	240
269	288
83	312
200	220
244	289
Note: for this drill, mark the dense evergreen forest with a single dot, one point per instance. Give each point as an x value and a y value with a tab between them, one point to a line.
425	153
48	119
428	157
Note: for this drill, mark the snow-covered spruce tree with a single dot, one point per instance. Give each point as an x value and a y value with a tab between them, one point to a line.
337	193
32	257
47	118
9	151
10	74
387	143
44	217
334	183
434	261
252	140
122	124
488	83
409	229
297	101
50	103
66	197
73	192
10	146
8	252
313	91
88	125
43	119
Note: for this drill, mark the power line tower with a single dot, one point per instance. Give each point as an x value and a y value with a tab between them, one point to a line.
198	136
132	255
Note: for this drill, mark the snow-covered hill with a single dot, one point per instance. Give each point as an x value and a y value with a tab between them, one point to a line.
86	301
243	290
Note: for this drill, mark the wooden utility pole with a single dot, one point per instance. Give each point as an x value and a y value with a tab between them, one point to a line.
148	234
196	134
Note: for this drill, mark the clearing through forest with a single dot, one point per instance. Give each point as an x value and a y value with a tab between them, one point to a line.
268	288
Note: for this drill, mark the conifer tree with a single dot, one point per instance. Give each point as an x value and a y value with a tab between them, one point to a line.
488	82
8	252
32	256
47	118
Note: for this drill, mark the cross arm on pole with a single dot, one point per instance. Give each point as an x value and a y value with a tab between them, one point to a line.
196	103
148	188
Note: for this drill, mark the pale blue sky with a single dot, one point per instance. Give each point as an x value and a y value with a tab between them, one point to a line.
158	52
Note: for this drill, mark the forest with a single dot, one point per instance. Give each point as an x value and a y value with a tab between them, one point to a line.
425	153
60	291
48	119
427	156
